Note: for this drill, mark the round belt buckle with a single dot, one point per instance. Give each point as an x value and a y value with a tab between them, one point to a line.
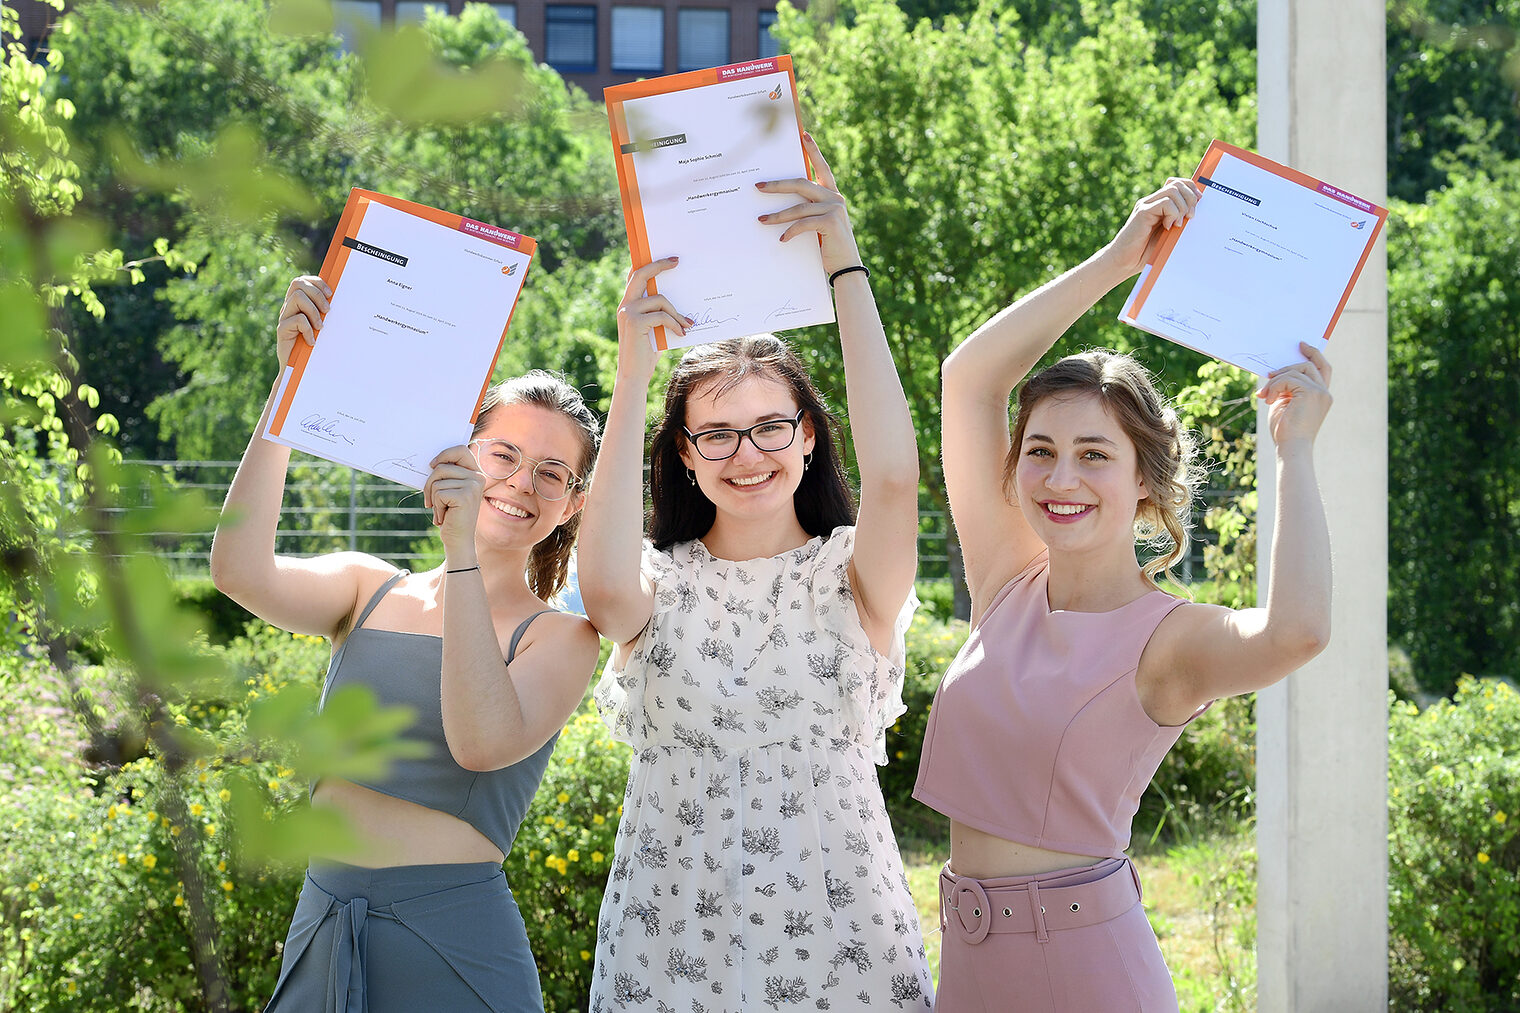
971	910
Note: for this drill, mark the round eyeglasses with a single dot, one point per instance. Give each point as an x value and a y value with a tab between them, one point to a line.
721	444
552	480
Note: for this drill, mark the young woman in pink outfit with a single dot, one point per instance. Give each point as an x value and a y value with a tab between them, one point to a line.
1080	672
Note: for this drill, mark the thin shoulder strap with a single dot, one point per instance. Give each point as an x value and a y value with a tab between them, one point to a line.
375	599
517	634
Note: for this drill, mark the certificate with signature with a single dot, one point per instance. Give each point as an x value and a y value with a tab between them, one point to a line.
421	299
690	149
1268	259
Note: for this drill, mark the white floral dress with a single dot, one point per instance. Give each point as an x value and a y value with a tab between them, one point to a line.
755	866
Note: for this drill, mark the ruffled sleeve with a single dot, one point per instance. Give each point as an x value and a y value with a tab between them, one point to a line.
873	686
619	693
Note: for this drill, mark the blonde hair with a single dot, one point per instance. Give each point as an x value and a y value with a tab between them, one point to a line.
1164	449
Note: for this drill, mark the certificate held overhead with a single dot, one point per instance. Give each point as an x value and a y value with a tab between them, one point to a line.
1268	259
421	300
689	150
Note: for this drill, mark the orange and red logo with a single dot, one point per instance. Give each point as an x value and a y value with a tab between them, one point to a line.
1359	224
509	270
773	96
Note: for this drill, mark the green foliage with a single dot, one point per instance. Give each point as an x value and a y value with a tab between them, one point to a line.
1222	872
932	644
1206	784
1454	851
562	856
1453	402
1453	89
982	159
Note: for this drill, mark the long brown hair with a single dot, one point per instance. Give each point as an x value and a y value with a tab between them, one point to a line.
549	560
680	511
1164	449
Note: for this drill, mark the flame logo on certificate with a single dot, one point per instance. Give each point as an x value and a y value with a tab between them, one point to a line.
509	270
1359	224
774	95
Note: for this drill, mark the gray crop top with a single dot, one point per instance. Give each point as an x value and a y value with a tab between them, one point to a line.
405	669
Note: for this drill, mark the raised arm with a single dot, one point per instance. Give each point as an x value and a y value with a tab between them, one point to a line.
885	559
314	596
618	598
1206	652
981	374
495	713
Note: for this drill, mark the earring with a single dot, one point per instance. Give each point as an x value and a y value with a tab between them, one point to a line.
807	459
691	476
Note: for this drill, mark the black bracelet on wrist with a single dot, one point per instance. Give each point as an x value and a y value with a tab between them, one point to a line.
464	569
846	270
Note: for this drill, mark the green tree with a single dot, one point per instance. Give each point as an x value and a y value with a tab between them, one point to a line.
979	162
1453	412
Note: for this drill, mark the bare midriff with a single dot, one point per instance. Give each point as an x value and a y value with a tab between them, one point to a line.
391	831
981	855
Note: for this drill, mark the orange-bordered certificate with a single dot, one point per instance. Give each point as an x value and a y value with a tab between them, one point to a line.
1268	259
689	150
420	307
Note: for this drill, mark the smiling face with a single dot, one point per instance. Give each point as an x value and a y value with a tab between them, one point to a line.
511	509
753	482
1077	480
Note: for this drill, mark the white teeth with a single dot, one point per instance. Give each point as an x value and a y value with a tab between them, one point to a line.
508	509
752	480
1065	509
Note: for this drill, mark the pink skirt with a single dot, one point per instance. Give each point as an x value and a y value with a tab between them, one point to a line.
1073	941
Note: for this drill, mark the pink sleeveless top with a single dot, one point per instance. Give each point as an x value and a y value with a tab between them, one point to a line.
1037	734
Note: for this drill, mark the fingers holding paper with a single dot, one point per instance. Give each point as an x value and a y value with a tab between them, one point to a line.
301	314
640	313
823	211
1299	397
453	491
1136	241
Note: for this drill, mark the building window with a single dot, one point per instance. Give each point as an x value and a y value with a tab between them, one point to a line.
638	39
350	17
768	46
414	12
703	35
570	38
507	12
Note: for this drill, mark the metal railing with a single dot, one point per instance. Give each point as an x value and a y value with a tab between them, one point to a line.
330	507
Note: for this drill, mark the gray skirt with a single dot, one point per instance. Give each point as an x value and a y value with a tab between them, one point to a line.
407	938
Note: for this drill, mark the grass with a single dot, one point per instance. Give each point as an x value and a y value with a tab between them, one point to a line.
1200	898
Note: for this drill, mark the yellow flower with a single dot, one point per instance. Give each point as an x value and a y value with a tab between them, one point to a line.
111	813
152	816
224	794
150	861
585	954
274	785
196	808
597	819
210	829
179	900
597	856
174	831
72	987
560	824
121	858
203	777
227	885
221	866
562	798
1482	858
573	854
78	917
1500	817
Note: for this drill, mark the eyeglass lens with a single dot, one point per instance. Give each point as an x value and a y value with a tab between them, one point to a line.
500	459
721	444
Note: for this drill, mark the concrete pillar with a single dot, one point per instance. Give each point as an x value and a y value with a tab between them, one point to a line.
1322	737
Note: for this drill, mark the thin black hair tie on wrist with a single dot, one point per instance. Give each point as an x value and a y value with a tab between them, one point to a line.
846	270
464	569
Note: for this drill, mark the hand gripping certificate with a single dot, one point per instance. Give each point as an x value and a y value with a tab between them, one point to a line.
1268	259
421	299
690	149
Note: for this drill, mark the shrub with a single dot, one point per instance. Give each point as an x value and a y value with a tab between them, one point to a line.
1454	851
1206	784
559	863
932	645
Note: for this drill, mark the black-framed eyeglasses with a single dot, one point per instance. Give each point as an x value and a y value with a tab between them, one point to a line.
552	480
770	436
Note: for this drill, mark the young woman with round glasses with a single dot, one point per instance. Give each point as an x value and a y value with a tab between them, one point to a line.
1079	672
759	660
419	915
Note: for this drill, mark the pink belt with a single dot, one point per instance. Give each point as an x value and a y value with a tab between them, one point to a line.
971	911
